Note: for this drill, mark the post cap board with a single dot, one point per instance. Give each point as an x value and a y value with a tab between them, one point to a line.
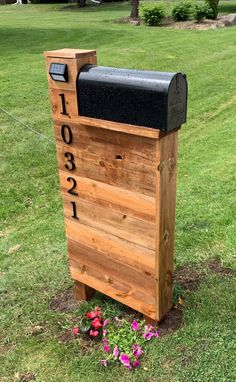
138	97
70	53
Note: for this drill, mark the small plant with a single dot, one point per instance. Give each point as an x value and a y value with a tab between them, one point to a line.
202	11
153	15
123	341
182	11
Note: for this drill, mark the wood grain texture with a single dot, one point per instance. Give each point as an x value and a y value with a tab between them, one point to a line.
111	221
97	156
70	53
118	199
131	254
166	202
83	292
119	290
111	268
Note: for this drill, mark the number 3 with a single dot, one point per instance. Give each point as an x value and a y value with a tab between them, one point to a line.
70	165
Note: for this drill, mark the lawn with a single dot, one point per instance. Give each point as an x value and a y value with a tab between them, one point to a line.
33	263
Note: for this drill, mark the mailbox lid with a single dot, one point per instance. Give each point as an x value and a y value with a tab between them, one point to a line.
134	97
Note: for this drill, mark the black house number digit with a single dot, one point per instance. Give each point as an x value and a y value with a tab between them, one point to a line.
63	104
66	134
70	165
71	190
74	212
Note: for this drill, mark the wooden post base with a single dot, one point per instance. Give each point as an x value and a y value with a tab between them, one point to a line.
150	321
83	292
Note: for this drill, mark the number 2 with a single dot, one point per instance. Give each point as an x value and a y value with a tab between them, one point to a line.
71	190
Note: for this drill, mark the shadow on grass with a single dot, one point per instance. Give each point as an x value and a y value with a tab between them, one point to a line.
227	8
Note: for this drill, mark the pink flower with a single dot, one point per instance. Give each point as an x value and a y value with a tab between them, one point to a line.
75	331
136	364
137	350
135	325
156	334
103	362
124	359
91	315
106	322
104	333
97	308
96	323
106	347
116	352
93	333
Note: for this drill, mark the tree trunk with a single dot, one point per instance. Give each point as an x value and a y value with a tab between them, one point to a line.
81	3
134	9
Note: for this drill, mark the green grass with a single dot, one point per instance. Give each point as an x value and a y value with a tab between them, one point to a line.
33	247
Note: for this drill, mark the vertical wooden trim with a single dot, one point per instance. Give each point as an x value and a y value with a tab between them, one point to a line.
166	154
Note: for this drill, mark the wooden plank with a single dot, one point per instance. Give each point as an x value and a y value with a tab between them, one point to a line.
112	268
111	221
133	255
126	202
120	291
111	159
69	53
113	126
166	201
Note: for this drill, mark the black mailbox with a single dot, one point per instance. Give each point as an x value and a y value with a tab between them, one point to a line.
137	97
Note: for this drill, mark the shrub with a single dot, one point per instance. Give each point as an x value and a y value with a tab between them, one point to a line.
153	15
213	4
182	11
202	11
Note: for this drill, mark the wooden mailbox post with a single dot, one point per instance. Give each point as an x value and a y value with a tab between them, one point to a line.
118	185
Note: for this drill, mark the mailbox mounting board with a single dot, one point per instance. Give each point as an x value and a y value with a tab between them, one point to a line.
118	188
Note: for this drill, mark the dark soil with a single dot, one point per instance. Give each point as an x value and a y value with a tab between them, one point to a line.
27	377
189	277
64	301
216	267
172	322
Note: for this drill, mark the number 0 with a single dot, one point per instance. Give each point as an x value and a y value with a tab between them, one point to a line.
66	134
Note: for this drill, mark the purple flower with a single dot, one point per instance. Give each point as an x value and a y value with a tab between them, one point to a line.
148	335
135	325
137	350
103	362
136	364
116	352
124	359
105	322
